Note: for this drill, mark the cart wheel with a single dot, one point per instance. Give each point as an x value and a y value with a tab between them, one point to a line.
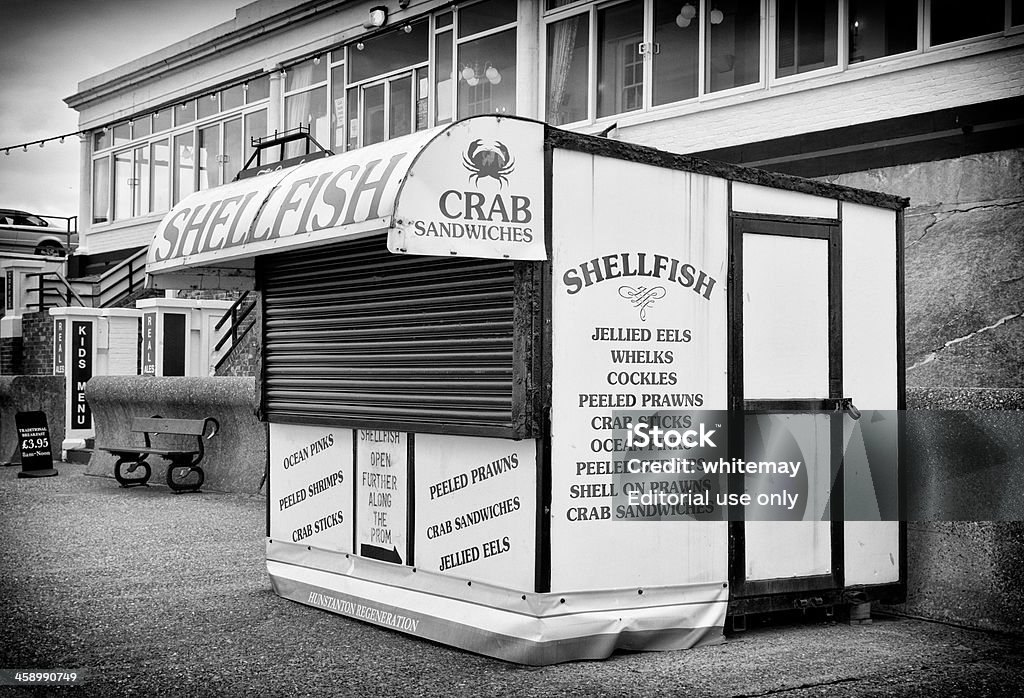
185	478
131	481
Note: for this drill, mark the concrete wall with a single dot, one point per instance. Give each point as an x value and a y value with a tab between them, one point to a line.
30	394
964	266
235	459
961	442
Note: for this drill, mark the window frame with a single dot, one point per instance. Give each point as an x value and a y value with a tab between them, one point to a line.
150	140
768	72
591	9
842	46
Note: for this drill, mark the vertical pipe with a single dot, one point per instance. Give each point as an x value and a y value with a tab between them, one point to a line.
276	103
84	190
528	59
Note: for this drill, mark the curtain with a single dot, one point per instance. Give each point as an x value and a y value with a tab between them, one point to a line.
560	53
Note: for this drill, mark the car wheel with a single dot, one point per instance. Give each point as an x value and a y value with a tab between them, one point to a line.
49	249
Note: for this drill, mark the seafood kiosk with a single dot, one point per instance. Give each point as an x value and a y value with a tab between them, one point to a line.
527	388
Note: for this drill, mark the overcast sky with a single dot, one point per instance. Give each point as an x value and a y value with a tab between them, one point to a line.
48	47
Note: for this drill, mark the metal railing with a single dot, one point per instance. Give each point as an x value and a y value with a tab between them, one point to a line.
54	291
121	280
114	285
236	315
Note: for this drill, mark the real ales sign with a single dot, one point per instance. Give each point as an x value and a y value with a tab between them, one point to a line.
149	344
476	190
59	346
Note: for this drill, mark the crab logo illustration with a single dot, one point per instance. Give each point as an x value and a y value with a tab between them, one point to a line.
488	161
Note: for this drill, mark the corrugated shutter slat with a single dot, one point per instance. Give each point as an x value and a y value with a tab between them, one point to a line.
356	336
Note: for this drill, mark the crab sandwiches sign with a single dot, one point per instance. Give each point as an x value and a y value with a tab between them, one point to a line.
476	191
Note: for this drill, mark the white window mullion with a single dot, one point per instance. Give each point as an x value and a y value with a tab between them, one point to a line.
592	67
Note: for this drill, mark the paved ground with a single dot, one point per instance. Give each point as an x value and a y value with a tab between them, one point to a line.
153	594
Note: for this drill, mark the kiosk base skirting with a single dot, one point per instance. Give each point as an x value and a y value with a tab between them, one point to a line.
537	630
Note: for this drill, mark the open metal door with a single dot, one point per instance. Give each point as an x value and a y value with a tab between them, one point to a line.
786	395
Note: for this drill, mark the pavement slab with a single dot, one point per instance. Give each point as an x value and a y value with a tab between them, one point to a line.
155	594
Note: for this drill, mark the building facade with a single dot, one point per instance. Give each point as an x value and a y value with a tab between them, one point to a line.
921	98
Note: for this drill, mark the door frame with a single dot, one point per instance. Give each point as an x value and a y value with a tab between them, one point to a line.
774	594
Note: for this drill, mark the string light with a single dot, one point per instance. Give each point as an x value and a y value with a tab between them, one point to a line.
24	146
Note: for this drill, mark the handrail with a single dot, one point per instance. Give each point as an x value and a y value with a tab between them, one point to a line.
231	311
127	261
41	289
221	360
236	321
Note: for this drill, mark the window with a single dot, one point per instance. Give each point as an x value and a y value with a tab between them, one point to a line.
807	36
255	127
733	51
487	79
337	113
954	21
486	58
257	89
161	178
101	190
568	69
124	184
208	105
384	86
610	58
620	65
185	113
184	165
163	163
161	120
121	133
305	103
882	28
142	127
676	55
444	72
209	157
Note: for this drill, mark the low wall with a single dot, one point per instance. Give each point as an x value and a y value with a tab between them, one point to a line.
30	394
235	459
967	572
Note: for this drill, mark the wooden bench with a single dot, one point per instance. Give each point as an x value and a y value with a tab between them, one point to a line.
183	471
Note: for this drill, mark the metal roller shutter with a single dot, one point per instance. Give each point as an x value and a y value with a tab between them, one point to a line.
356	336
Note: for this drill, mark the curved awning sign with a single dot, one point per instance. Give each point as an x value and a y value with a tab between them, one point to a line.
474	188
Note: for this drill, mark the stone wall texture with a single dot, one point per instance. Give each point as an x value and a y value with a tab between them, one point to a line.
236	457
30	394
964	267
965	449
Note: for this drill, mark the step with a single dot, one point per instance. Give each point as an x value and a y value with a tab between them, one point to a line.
78	455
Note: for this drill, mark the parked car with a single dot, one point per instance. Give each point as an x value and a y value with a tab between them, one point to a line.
21	231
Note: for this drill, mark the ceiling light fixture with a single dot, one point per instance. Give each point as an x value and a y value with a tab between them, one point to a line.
377	18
